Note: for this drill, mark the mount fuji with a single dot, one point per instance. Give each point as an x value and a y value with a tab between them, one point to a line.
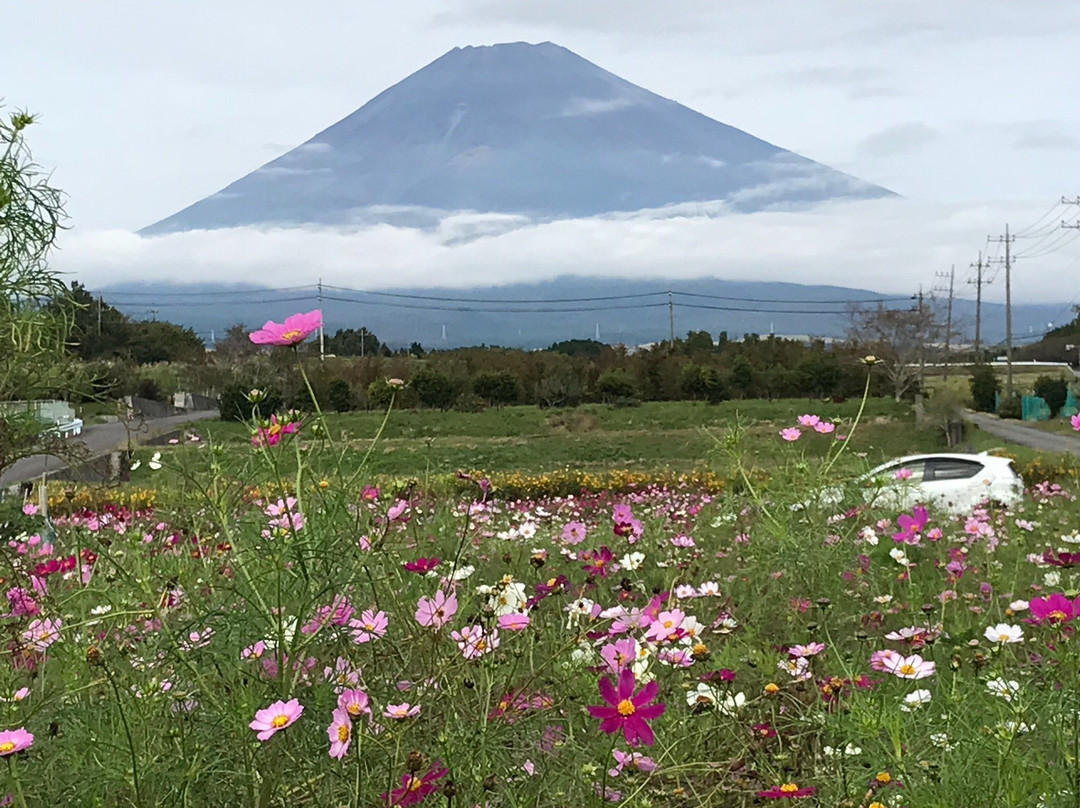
517	130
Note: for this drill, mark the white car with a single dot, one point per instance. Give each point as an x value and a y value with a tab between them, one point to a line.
953	482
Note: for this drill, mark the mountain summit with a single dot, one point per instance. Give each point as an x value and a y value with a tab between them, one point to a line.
517	128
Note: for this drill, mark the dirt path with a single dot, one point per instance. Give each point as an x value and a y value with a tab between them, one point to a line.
1016	432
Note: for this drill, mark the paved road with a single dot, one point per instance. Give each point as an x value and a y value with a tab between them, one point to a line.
99	440
1016	432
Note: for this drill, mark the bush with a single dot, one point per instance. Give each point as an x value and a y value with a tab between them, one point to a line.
561	388
469	402
1054	390
498	387
234	405
340	396
149	389
616	384
1011	407
434	388
702	382
984	388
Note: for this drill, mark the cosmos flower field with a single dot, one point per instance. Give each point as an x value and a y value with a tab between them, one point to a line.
345	642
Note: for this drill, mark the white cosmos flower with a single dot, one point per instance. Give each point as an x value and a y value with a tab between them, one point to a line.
703	695
732	704
527	530
1004	633
155	461
1052	578
1005	689
1019	605
136	465
632	561
883	599
915	699
850	750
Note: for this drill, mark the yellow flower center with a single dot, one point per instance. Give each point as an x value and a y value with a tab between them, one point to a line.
626	707
907	670
415	783
1057	616
789	788
293	334
481	645
6	747
1003	637
273	429
352	709
343	733
279	721
883	777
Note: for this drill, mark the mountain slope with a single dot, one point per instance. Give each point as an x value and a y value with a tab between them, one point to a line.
516	128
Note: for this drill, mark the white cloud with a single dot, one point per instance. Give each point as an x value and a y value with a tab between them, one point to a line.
890	245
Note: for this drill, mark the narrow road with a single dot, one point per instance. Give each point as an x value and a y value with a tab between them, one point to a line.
1016	432
102	439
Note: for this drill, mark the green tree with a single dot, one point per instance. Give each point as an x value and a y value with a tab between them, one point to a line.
616	385
1054	390
984	388
35	320
159	341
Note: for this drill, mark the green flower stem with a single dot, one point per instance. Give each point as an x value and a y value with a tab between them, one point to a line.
13	770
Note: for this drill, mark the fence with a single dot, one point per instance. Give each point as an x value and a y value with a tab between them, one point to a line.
1035	409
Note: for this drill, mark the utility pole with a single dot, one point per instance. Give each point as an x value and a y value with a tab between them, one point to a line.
99	302
922	346
979	284
322	336
948	318
671	317
1007	240
153	314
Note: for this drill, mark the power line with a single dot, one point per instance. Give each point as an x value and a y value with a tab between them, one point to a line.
203	293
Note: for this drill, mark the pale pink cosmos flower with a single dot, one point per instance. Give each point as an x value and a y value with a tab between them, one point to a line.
401	711
883	660
824	427
370	626
277	716
436	612
790	433
295	329
15	740
912	667
340	733
40	634
474	642
809	420
1075	421
809	650
343	674
30	509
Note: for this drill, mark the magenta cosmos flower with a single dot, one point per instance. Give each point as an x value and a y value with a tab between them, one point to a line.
15	740
272	434
626	711
414	790
295	329
787	791
1075	421
911	527
1054	610
277	716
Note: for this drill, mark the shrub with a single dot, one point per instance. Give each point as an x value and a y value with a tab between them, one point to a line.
469	402
702	382
616	384
434	388
984	388
1011	407
498	387
234	405
1054	390
561	388
149	389
340	396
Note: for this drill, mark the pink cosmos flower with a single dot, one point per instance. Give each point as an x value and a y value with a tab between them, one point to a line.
276	717
30	509
619	654
421	565
343	674
809	420
809	650
370	626
1075	421
790	433
355	702
666	626
903	474
414	790
15	740
824	427
912	667
515	621
295	329
436	612
627	711
574	532
340	733
401	711
911	527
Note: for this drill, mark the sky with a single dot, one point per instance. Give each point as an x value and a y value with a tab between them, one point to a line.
967	109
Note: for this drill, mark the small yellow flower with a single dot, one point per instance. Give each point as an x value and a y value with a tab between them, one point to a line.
771	689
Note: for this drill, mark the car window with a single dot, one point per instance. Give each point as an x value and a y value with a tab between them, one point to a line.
951	468
911	471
